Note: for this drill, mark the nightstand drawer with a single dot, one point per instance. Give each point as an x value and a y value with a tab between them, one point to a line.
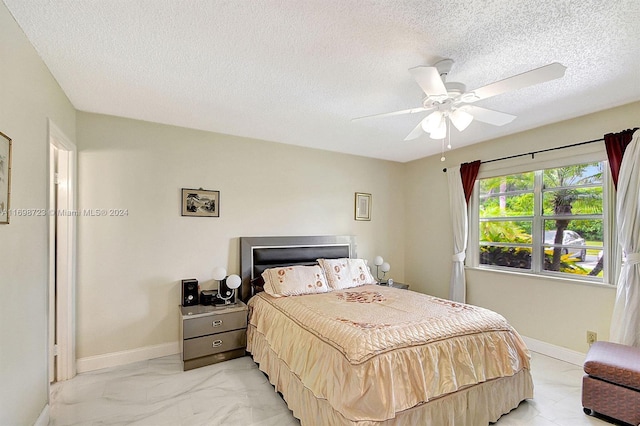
214	343
214	324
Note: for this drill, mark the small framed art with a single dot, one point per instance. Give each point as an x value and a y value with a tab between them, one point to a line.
5	177
363	206
200	202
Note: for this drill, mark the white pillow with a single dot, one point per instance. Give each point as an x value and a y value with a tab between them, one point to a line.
294	280
346	273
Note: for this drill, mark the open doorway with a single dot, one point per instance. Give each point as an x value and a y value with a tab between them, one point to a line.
62	255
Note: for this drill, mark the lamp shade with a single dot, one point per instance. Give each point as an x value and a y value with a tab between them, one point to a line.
461	119
233	281
378	260
440	132
219	273
432	121
385	267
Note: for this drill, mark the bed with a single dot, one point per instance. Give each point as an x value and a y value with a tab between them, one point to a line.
375	355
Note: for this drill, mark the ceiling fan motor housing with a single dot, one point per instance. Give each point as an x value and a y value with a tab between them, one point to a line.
454	91
443	67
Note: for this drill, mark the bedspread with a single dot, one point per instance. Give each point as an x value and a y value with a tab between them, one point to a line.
372	351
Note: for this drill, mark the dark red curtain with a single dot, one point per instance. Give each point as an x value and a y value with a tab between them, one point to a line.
616	143
469	173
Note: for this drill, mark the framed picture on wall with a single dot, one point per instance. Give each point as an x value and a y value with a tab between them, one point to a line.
5	177
200	202
363	206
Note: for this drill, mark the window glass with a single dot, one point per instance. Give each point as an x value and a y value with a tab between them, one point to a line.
573	201
576	175
506	232
508	257
506	205
504	184
555	213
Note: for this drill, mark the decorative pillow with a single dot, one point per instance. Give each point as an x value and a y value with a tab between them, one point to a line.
294	280
346	273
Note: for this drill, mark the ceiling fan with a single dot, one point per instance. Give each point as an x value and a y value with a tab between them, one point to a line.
450	100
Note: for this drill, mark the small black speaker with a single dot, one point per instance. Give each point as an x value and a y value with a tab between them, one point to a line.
189	292
207	297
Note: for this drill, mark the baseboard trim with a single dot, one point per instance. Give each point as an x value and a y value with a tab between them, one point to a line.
43	418
558	352
114	359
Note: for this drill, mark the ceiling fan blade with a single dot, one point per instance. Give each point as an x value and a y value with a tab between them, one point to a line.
429	80
389	114
489	116
417	131
529	78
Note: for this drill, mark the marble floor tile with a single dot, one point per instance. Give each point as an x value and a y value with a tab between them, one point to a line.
157	392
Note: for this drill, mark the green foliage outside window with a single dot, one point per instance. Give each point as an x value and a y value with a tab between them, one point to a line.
518	257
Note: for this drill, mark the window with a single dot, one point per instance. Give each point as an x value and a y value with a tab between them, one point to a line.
548	221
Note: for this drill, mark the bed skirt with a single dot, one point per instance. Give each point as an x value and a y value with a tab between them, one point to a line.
472	406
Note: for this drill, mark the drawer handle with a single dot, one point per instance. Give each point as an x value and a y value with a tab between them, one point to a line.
217	343
217	323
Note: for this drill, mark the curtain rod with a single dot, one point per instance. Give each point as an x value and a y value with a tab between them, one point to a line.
533	153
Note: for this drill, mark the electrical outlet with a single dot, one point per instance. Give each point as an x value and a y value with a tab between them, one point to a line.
592	336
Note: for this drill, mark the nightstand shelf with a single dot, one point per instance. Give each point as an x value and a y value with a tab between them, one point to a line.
211	334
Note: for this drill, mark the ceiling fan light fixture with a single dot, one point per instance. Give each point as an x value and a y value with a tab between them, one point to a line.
461	119
440	132
432	122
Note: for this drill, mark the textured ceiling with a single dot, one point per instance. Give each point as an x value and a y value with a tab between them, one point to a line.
297	72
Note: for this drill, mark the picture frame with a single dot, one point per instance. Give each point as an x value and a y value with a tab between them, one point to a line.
363	206
5	178
200	202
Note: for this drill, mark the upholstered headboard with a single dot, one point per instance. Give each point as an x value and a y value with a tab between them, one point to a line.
260	253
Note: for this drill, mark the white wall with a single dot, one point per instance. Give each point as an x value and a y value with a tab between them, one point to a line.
130	267
551	311
28	96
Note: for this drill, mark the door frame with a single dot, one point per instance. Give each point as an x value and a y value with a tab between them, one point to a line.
62	312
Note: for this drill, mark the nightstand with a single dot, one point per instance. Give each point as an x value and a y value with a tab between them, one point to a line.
211	334
400	285
396	284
